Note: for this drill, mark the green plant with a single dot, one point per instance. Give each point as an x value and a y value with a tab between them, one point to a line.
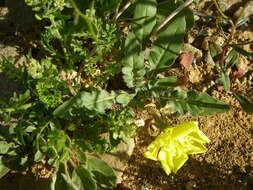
70	106
226	56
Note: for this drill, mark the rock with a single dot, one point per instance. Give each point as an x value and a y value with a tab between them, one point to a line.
118	160
8	51
195	76
247	12
188	48
237	5
226	4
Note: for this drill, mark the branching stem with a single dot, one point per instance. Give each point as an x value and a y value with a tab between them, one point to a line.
85	18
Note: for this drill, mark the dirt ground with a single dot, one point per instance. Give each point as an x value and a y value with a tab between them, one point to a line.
228	164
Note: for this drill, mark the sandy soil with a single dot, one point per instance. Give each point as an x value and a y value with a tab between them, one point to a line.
228	165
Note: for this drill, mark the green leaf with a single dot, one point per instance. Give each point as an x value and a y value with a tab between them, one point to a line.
225	80
168	44
71	185
3	169
80	155
243	52
133	63
4	147
231	58
85	176
144	14
132	45
215	51
245	102
134	70
15	162
189	18
195	103
39	156
124	98
103	173
162	83
77	180
95	101
57	139
52	182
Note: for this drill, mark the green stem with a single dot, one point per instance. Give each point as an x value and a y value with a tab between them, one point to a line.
122	10
85	18
219	10
66	169
172	15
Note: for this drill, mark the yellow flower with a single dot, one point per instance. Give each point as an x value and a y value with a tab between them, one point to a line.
172	147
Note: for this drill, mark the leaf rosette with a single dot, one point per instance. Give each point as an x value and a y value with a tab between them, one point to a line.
172	147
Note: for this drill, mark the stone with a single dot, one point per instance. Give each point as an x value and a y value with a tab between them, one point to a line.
118	160
188	48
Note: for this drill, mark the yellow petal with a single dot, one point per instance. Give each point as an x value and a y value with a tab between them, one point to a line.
166	159
184	129
179	161
196	148
152	152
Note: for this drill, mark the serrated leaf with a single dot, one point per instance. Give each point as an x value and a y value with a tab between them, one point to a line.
168	44
134	70
225	80
85	176
95	101
163	83
124	98
132	45
102	172
144	14
245	102
195	103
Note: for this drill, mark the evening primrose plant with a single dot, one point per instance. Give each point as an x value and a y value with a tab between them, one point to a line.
102	61
174	145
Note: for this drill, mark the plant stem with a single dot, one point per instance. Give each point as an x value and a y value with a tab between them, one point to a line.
232	33
66	169
86	19
219	10
172	15
122	10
